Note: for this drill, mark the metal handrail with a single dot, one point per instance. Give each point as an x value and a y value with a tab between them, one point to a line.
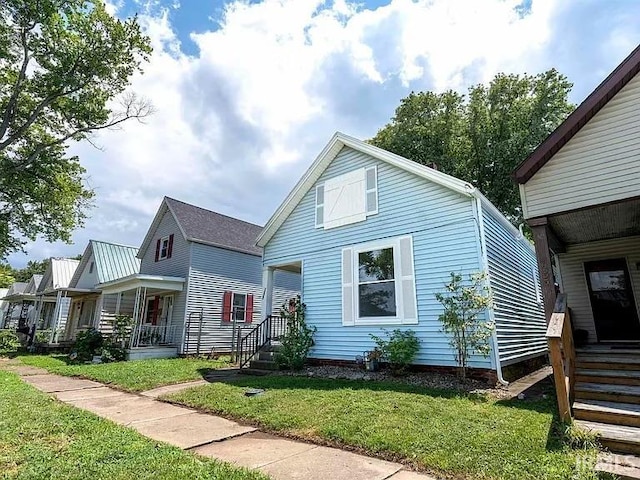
272	328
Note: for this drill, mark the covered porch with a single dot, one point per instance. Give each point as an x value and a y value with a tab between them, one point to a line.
272	302
20	308
592	255
149	301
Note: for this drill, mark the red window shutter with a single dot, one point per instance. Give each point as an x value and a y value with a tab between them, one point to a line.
249	310
156	305
158	250
170	248
226	307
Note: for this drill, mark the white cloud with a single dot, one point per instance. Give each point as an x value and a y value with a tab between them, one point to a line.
237	123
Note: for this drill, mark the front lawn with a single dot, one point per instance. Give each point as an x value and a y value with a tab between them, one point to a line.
42	438
448	434
134	376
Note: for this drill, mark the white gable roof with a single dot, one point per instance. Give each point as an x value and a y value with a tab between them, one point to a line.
329	153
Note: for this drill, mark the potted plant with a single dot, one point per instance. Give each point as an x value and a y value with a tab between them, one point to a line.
372	359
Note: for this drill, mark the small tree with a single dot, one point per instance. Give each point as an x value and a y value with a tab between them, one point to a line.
297	340
461	319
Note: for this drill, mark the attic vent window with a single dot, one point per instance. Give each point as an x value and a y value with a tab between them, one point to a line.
347	198
91	267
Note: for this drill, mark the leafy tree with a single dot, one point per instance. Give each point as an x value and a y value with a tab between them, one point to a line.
463	303
6	275
64	69
33	267
483	136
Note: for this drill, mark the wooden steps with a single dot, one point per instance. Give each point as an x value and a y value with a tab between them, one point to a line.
617	438
608	392
614	413
608	376
607	401
623	467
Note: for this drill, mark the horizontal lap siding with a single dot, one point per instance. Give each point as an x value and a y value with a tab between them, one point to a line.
176	266
520	322
214	271
601	163
445	239
574	282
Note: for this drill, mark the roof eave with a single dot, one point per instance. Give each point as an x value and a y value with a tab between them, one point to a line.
329	152
604	92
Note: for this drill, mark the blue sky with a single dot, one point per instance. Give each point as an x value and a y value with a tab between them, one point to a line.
248	92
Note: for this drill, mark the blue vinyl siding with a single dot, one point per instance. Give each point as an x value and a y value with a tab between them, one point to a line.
445	239
520	322
214	271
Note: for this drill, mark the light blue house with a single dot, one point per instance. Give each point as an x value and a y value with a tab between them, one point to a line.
358	203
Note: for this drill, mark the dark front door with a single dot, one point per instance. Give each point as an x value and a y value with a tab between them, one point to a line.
612	302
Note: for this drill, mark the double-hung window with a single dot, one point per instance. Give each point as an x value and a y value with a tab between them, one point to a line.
164	248
239	307
378	283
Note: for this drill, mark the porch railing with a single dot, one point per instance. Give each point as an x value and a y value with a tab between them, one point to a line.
563	355
272	328
150	335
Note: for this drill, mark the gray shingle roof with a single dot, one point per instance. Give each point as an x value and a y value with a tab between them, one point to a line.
204	226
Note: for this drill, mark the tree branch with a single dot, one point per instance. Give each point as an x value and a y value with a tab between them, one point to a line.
9	112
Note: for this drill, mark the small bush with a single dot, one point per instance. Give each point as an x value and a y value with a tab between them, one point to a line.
88	343
297	340
8	341
400	350
42	337
113	353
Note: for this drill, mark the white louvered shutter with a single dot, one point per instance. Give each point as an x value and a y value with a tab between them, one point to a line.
407	281
372	190
347	287
319	205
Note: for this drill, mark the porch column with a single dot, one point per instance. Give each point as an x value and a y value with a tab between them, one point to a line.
55	321
267	292
545	240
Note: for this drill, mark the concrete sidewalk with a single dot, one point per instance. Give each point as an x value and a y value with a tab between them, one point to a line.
216	437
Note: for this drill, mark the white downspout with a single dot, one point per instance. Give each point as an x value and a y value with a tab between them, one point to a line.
485	262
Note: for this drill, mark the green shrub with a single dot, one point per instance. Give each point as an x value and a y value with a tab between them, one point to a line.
8	341
88	343
400	350
297	340
42	337
113	353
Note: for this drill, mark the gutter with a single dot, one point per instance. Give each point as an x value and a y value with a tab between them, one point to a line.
485	262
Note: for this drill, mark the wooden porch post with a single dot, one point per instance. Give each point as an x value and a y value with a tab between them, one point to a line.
544	238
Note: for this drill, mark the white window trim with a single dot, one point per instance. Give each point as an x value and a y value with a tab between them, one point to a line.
399	318
321	224
233	307
369	190
162	240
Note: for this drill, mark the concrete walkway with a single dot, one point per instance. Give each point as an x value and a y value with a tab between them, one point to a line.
211	436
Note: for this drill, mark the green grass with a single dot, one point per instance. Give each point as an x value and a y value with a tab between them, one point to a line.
448	434
134	376
42	438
